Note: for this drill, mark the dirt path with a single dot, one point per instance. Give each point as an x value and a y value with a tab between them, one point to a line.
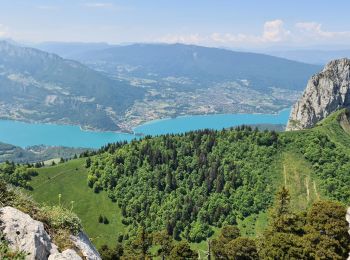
48	180
317	195
307	189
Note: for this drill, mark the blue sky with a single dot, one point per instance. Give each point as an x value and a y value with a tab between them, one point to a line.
231	23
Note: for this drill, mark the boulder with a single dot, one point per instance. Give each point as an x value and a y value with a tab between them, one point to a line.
26	234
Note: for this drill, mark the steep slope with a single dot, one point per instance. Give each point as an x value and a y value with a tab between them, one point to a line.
39	86
326	92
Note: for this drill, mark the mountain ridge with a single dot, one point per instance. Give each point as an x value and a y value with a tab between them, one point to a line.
43	87
214	61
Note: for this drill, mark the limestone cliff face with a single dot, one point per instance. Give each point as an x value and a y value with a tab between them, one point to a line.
325	92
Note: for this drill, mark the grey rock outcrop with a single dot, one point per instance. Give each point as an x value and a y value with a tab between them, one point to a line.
83	243
26	234
325	93
68	254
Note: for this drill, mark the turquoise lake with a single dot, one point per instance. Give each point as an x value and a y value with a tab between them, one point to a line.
27	134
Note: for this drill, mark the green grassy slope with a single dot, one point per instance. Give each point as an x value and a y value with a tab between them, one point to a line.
299	180
337	128
69	179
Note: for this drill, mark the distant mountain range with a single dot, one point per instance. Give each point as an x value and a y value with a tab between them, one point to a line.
320	57
70	49
38	86
202	64
119	87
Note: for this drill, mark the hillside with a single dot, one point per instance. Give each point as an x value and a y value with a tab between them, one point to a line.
69	180
257	164
203	65
42	87
37	153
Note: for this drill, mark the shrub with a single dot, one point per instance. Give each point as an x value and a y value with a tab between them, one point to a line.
62	240
60	218
200	231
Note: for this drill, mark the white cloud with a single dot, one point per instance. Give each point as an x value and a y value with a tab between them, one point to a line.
178	38
233	38
47	7
274	31
313	29
99	5
3	30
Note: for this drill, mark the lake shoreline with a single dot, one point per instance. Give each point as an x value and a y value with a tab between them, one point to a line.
26	134
131	130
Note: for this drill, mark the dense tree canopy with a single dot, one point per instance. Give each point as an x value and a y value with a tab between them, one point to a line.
188	183
18	175
319	233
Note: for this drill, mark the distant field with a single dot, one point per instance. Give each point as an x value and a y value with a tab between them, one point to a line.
69	179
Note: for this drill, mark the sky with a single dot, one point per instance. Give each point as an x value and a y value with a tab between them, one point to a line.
221	23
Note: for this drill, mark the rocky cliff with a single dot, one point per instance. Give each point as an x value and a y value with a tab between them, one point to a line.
325	92
28	235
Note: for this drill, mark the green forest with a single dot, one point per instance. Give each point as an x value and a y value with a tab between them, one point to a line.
191	184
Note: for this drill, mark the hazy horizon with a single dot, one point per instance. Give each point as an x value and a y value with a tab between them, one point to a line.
255	25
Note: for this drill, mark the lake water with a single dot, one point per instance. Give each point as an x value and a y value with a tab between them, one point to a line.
26	134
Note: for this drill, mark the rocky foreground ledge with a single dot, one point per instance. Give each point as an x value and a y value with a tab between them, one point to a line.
325	93
28	235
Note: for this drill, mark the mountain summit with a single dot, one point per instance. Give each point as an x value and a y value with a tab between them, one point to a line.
326	92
